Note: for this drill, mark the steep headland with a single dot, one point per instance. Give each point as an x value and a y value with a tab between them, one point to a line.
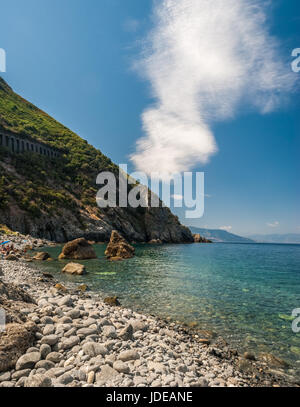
48	184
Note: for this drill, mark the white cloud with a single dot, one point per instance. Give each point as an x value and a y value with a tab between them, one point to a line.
273	225
203	60
227	228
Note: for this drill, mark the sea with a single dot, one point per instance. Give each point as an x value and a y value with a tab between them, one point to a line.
243	292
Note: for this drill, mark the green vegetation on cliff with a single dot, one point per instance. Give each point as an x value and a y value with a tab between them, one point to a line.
22	117
46	181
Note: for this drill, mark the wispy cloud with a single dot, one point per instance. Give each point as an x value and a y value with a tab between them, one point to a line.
227	228
203	60
131	25
273	224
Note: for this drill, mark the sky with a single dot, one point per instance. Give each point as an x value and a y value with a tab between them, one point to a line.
157	85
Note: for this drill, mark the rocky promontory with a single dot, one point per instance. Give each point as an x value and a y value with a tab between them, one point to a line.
200	239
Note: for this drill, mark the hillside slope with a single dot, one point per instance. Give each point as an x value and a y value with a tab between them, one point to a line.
218	235
55	198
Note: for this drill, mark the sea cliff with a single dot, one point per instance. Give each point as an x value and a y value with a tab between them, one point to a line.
48	183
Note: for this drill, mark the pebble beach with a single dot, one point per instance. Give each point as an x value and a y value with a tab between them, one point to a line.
81	341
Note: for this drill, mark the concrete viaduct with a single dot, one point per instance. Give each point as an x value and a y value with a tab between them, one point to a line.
20	144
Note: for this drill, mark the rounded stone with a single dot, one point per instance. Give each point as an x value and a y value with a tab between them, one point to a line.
128	355
45	349
50	339
54	357
44	364
121	367
38	380
28	360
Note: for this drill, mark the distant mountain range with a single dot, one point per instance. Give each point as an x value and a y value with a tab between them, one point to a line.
277	238
218	235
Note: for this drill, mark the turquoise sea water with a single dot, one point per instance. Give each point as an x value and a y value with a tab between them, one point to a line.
245	292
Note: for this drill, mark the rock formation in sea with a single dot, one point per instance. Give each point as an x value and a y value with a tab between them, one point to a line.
200	239
118	248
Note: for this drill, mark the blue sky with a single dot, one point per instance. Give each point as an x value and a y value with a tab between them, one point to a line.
74	59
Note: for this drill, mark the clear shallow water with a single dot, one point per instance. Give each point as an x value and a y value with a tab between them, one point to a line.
245	292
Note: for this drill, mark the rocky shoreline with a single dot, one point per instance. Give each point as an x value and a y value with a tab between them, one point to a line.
80	341
59	336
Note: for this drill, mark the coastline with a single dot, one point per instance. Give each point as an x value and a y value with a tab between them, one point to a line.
93	344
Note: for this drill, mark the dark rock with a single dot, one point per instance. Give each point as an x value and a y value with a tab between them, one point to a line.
11	257
126	333
249	356
48	275
204	341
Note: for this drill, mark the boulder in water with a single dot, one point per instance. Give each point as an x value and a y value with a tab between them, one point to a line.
74	268
42	256
78	249
113	301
